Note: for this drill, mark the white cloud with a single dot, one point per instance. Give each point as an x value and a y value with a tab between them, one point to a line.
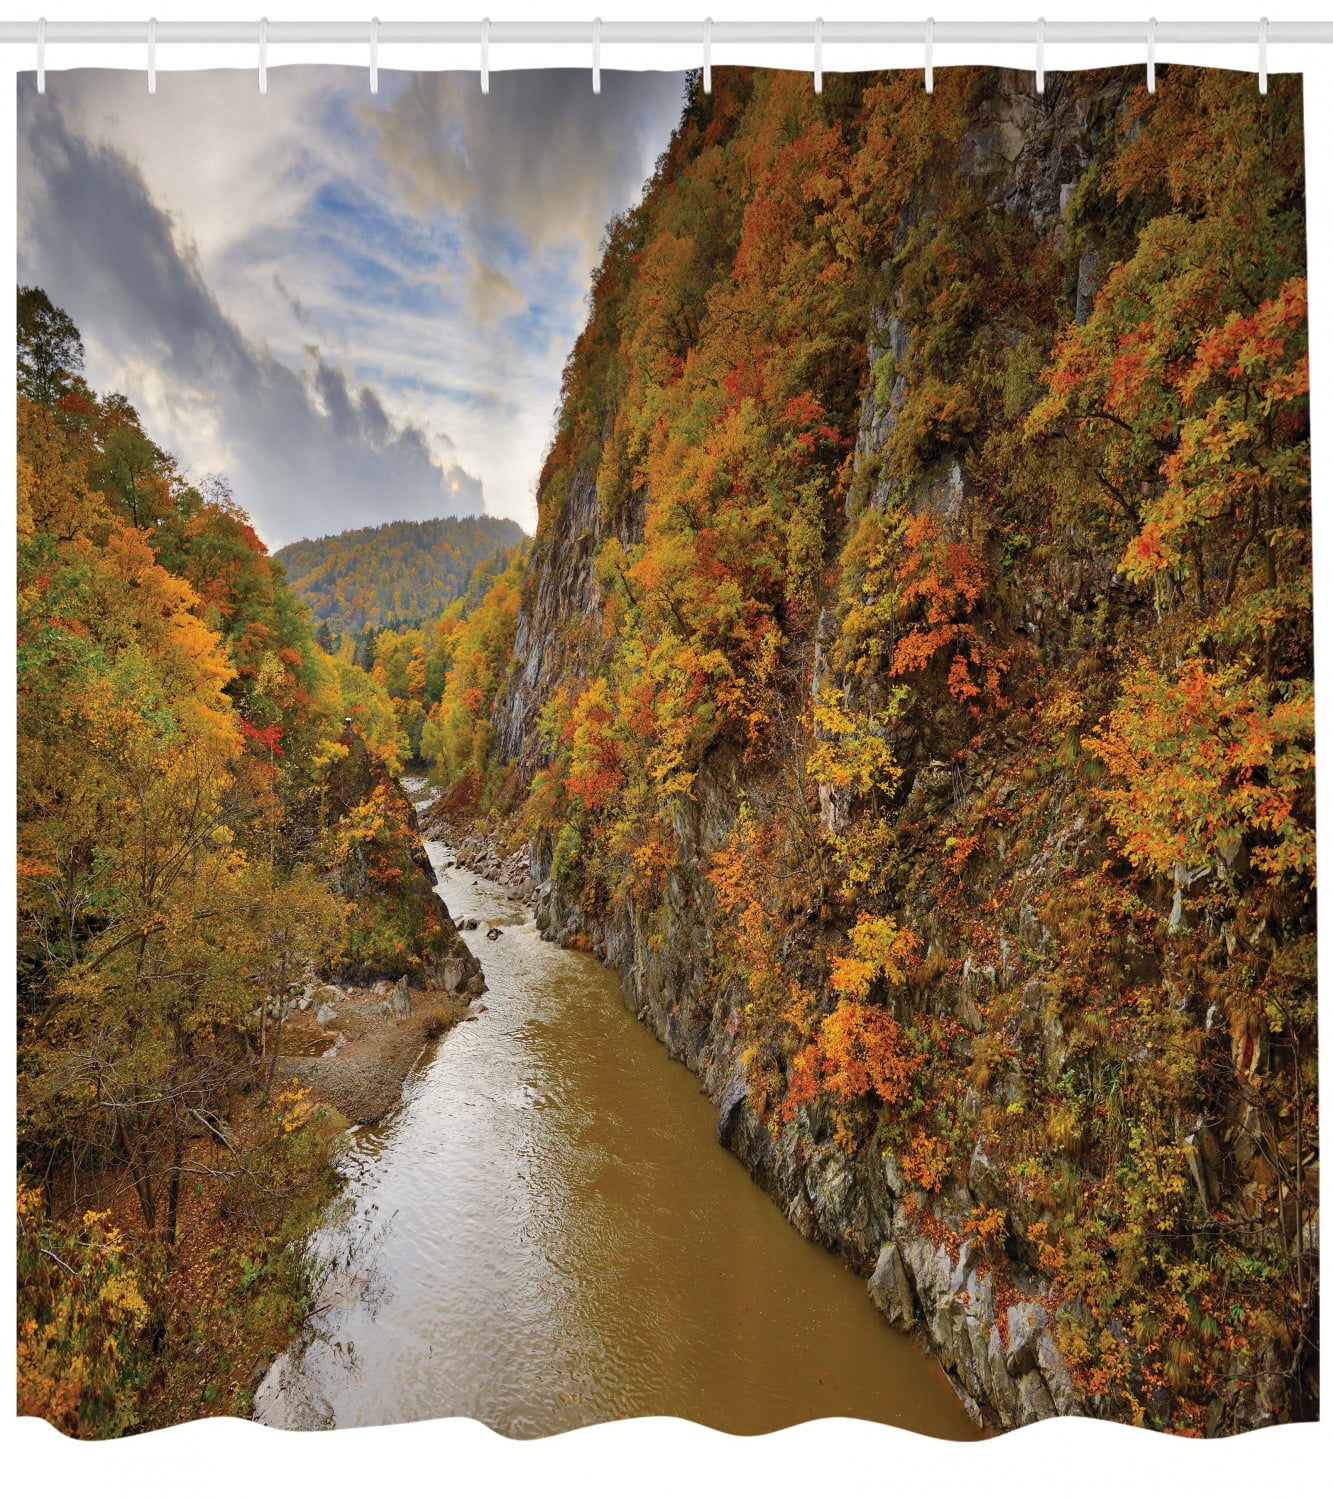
306	451
433	245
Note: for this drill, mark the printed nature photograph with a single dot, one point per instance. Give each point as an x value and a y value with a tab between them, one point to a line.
665	751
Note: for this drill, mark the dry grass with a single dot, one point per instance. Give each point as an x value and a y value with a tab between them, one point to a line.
436	1021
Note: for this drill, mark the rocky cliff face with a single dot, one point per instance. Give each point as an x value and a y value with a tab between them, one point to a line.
993	962
991	1332
1027	156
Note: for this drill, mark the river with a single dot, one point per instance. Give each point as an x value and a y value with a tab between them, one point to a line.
547	1234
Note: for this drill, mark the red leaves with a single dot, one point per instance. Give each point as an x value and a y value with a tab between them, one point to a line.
1132	362
1247	345
937	571
269	739
961	685
745	378
926	1162
806	414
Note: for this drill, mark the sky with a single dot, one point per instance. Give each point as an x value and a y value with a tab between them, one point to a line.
355	307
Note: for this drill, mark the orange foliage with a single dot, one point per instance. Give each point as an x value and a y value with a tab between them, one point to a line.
941	581
926	1162
859	1051
1210	760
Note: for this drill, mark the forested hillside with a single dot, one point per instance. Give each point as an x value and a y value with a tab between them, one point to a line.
209	826
911	694
400	571
441	677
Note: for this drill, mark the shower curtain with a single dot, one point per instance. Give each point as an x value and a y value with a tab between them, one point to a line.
521	589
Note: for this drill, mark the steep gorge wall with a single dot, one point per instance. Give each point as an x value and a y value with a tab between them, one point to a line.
996	1347
995	916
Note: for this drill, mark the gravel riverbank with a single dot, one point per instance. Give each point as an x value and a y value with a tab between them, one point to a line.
360	1058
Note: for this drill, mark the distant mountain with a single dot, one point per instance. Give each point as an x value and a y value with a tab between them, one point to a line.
403	570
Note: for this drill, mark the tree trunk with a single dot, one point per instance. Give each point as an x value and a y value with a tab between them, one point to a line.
174	1182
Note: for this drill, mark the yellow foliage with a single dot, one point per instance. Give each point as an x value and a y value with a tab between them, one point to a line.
880	949
81	1310
850	749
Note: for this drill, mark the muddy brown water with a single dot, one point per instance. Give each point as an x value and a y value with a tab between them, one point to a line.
547	1234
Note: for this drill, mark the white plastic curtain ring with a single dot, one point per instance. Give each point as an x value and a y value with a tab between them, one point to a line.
374	54
930	54
263	54
1152	55
708	54
597	55
1263	55
485	54
819	54
1041	54
41	54
152	54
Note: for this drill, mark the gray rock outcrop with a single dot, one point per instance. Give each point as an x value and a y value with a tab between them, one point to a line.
400	1000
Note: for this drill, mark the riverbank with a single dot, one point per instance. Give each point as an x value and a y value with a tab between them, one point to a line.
355	1045
229	1284
358	1059
479	851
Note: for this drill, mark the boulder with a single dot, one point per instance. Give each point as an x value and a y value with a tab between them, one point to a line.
734	1095
401	1000
1025	1324
325	1016
967	1011
838	1207
893	1174
1032	1400
1056	1378
984	1179
890	1289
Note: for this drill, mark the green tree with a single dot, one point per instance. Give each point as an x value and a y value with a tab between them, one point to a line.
50	351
